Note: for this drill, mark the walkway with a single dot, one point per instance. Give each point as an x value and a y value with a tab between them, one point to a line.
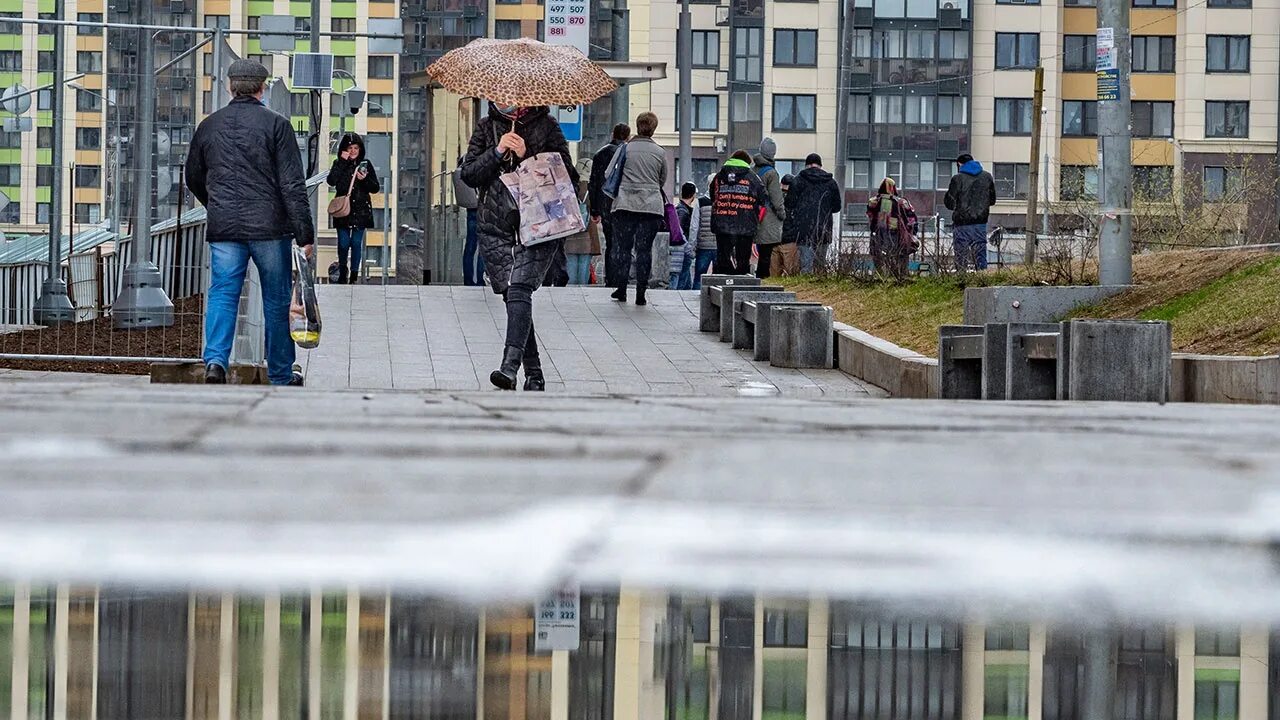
450	338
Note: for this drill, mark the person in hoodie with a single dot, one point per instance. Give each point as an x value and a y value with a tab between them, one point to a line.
501	141
970	196
769	232
682	256
351	229
812	201
737	204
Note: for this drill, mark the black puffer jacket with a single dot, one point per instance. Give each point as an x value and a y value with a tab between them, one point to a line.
245	168
812	200
598	203
498	220
340	179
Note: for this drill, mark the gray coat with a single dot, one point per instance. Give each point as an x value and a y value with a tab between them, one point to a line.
644	175
769	232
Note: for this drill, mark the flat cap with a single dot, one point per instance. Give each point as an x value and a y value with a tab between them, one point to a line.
248	69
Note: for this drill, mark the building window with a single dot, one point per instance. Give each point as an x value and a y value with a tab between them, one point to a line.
1217	694
746	107
385	105
700	612
12	213
1011	180
706	49
506	29
1155	3
1153	183
342	25
794	113
1080	53
942	176
541	30
1017	2
89	17
88	176
887	44
859	111
953	110
44	61
10	28
88	138
917	175
888	109
1227	53
1218	642
302	24
786	627
42	213
253	22
861	43
88	61
88	214
44	138
44	176
1013	116
88	102
1226	119
1079	118
300	104
382	67
1008	637
217	21
706	113
881	169
1222	184
953	44
1017	51
861	175
1230	3
1152	119
748	54
1079	182
1080	3
11	60
10	175
1153	53
344	63
922	44
783	692
265	61
1005	696
795	48
919	110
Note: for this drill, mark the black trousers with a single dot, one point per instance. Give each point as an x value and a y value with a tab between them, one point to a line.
634	232
764	261
733	254
610	272
527	273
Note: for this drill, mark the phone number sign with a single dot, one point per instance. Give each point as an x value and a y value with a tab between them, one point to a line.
567	22
557	620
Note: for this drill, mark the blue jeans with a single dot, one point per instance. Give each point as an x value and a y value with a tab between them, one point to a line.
579	268
812	257
228	262
701	264
350	242
970	244
682	280
472	260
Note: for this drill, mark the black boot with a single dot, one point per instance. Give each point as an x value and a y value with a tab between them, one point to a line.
215	374
533	379
620	294
640	295
504	378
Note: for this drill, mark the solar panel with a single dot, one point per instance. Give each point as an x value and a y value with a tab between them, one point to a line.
312	71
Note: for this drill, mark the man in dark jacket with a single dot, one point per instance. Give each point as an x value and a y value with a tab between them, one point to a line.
472	260
600	205
244	167
970	196
737	205
812	201
501	140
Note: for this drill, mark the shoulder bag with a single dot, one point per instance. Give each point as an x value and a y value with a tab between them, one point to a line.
613	182
340	207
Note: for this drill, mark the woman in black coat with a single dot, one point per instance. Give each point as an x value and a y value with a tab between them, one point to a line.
351	229
500	142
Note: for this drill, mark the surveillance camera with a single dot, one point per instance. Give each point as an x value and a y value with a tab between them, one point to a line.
355	99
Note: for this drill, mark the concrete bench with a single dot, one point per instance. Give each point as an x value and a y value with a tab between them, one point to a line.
1125	360
754	324
709	306
1031	358
727	293
740	335
800	336
961	349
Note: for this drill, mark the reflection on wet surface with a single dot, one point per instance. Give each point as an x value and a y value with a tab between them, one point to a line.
109	652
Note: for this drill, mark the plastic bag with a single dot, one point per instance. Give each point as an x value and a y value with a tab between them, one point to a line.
547	203
304	310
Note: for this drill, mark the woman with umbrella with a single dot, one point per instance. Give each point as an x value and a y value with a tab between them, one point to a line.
520	78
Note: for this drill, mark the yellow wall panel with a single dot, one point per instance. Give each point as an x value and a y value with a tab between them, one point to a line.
1154	22
1079	151
1154	87
1079	21
1079	86
1152	152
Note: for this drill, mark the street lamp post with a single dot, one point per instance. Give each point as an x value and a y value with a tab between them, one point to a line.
53	307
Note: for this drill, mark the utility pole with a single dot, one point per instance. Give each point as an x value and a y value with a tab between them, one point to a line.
142	302
686	94
1033	169
217	83
314	154
53	307
1115	156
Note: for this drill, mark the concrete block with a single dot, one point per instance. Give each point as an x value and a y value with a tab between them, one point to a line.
1028	377
1009	304
960	377
800	337
743	335
762	324
193	374
1177	377
995	337
1064	361
918	378
1269	380
1225	378
872	359
709	312
1120	360
727	293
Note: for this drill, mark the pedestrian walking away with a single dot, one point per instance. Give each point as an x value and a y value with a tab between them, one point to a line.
599	204
705	252
501	140
351	171
812	202
893	230
472	259
970	195
682	256
738	199
639	209
243	166
579	248
769	232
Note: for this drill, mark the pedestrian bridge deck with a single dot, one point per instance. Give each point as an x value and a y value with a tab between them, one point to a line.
450	338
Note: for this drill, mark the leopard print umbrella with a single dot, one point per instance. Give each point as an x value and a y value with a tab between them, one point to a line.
522	72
